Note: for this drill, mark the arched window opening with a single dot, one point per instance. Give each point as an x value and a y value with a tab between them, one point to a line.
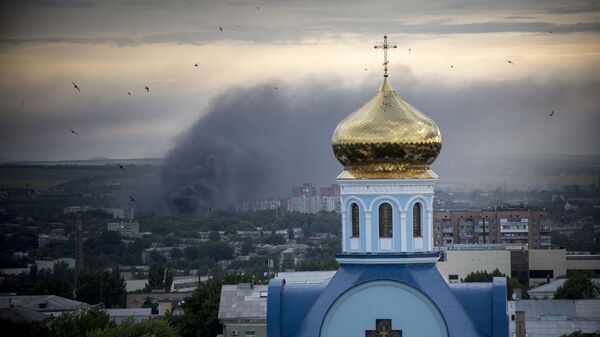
355	221
385	220
417	232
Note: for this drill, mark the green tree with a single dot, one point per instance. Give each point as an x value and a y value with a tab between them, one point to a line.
156	276
52	286
23	329
80	324
581	334
114	294
288	262
102	287
577	287
169	276
201	308
131	329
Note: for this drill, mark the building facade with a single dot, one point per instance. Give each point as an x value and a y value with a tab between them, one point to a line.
510	227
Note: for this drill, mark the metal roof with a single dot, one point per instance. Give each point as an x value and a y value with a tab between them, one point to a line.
550	288
306	277
243	302
42	303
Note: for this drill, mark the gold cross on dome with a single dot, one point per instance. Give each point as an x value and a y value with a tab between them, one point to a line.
385	46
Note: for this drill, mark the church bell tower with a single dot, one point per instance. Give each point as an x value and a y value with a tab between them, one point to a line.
387	282
387	186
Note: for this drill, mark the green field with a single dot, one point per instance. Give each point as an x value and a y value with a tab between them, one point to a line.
44	177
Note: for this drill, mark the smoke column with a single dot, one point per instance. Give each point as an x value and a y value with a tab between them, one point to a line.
256	143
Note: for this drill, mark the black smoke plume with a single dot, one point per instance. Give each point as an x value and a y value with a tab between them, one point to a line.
256	143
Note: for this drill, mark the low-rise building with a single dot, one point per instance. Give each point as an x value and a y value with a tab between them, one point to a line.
547	291
529	266
584	262
243	310
554	318
137	314
49	263
165	302
46	239
130	229
51	305
257	205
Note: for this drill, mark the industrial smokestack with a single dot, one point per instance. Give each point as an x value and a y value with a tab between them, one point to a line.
78	245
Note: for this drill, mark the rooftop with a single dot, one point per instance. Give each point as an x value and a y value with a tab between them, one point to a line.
307	276
42	303
243	302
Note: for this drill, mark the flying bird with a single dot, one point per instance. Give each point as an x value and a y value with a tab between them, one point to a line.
75	86
122	167
129	93
131	199
511	62
551	114
195	65
409	49
257	7
221	29
74	132
452	66
550	32
366	69
147	89
275	88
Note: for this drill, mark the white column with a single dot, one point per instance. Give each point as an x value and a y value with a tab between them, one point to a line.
403	242
368	231
344	249
430	226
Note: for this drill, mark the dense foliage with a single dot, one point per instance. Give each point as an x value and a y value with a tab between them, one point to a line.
131	329
201	309
103	287
79	324
23	329
581	334
578	287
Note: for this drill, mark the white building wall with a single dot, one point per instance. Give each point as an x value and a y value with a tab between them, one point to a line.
462	262
547	259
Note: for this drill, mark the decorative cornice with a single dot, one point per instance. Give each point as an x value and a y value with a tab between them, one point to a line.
406	258
364	188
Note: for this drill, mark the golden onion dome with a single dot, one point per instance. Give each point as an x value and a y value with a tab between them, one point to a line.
386	138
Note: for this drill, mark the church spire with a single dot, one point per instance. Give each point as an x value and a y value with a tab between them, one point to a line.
385	46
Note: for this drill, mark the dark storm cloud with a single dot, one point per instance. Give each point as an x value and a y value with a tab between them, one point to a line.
257	142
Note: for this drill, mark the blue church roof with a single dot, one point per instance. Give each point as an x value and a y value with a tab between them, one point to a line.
469	310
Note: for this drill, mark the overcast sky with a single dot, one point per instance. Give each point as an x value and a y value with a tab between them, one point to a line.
482	104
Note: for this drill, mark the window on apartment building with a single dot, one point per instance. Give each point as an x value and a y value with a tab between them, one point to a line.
250	333
453	277
234	333
385	220
417	228
355	220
